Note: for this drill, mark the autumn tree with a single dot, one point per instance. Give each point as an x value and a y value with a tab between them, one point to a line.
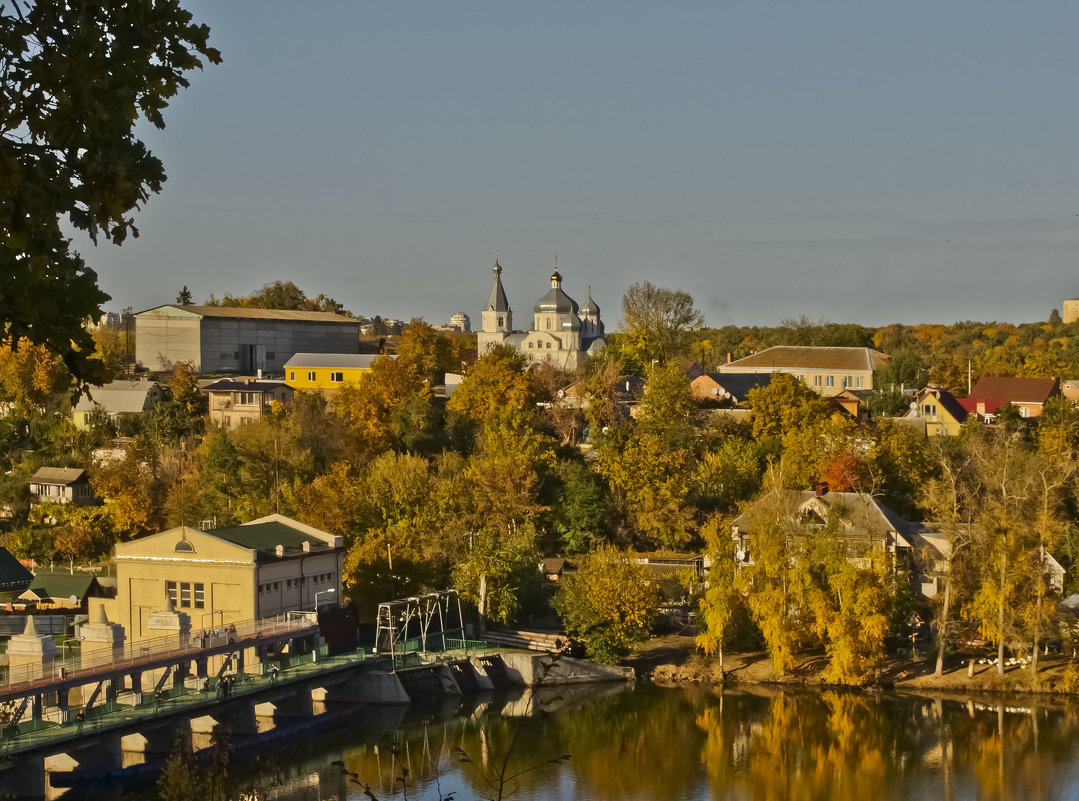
498	380
786	404
728	474
608	604
657	322
724	596
76	80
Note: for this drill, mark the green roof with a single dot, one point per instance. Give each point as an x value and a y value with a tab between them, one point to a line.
267	536
13	576
62	585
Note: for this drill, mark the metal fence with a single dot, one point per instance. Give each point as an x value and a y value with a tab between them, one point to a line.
150	651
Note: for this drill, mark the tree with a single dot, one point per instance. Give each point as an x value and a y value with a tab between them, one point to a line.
667	404
657	322
785	404
579	508
32	380
498	380
608	604
183	297
723	597
76	78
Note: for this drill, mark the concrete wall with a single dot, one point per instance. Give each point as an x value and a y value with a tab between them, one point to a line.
166	336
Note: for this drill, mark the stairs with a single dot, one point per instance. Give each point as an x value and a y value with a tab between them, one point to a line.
527	640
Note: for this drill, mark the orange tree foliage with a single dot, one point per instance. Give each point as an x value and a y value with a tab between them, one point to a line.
497	381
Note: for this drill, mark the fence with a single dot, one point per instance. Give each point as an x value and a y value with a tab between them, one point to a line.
150	651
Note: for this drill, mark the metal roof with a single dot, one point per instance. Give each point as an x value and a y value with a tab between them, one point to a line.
58	475
118	397
810	357
265	537
352	361
241	385
13	575
260	314
1013	390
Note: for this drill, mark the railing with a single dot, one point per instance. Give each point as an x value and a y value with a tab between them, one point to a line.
149	651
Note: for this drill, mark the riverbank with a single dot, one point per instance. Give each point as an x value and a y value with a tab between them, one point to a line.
674	660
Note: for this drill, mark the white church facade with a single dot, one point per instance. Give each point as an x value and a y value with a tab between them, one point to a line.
563	334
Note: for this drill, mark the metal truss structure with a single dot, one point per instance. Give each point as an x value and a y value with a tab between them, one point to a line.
418	623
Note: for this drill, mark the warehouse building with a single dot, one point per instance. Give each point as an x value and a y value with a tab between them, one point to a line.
218	339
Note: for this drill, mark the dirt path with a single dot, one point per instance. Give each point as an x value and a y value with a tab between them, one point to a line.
673	659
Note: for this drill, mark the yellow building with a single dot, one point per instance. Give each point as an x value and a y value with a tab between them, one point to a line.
942	413
326	372
264	568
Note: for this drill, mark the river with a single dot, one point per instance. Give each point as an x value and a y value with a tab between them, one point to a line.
691	743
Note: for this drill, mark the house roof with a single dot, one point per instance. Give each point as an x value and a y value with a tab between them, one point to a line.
858	510
359	361
118	397
234	385
809	357
235	312
948	402
1014	390
738	385
62	585
264	537
989	405
58	475
13	575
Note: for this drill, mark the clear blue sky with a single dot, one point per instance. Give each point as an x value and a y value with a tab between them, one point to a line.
857	161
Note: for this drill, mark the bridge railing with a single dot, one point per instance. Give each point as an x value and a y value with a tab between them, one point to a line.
151	650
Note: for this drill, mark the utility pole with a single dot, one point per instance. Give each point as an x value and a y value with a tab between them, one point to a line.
127	320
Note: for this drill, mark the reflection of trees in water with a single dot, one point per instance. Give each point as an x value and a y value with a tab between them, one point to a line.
755	744
843	745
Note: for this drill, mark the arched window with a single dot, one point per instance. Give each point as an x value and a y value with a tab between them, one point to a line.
530	345
183	546
548	323
501	321
548	346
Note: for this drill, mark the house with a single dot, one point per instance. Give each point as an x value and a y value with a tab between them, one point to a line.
270	566
732	387
827	370
942	413
563	334
219	339
62	485
854	402
61	590
327	372
14	577
991	393
234	402
118	398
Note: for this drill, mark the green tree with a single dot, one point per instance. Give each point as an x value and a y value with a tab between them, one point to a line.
184	298
498	380
76	79
608	604
786	404
579	508
657	322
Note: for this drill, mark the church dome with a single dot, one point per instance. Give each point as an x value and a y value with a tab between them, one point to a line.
590	307
555	301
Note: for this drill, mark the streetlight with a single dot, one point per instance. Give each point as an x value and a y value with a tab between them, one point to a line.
330	591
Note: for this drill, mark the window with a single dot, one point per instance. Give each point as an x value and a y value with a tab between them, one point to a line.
291	375
830	381
861	382
816	380
531	345
548	348
246	398
337	378
228	355
183	546
184	594
548	326
501	322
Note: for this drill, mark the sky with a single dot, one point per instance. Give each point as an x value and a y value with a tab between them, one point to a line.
862	161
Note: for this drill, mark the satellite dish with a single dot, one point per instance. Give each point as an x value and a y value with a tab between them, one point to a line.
715	391
740	555
561	393
74	599
914	406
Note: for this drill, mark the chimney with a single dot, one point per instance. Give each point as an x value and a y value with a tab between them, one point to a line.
822	489
259	373
728	357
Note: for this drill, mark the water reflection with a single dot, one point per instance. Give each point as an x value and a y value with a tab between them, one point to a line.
692	743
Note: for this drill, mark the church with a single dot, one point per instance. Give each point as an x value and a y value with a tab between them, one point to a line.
563	334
